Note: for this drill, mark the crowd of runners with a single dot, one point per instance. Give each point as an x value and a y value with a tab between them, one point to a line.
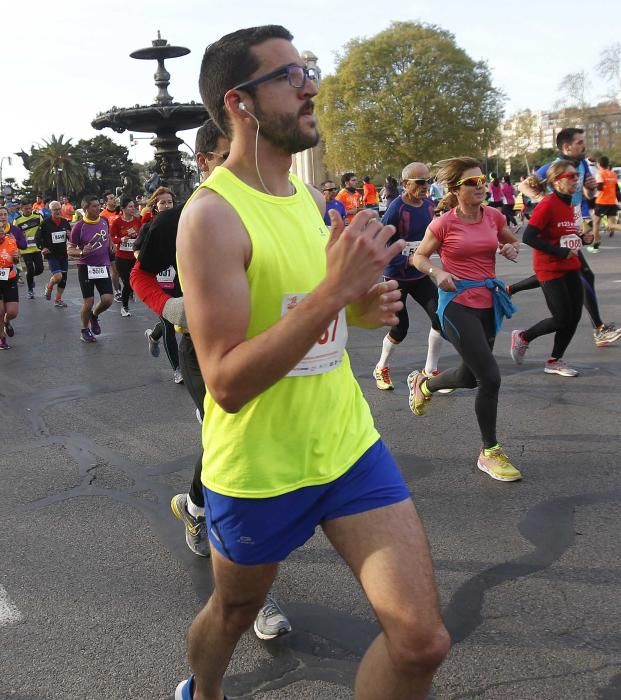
288	440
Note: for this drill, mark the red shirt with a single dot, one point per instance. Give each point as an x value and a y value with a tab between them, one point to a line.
556	221
119	228
469	251
369	194
350	200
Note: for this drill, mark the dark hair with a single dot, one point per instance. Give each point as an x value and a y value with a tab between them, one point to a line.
507	179
207	137
566	136
366	178
603	161
125	200
230	61
88	198
24	201
325	182
345	177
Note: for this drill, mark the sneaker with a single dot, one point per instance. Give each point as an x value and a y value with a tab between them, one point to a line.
435	373
382	378
95	327
418	401
559	367
185	689
198	416
519	346
8	329
48	294
153	346
606	335
195	528
86	336
4	345
177	376
271	622
125	312
118	297
494	461
592	249
31	294
60	304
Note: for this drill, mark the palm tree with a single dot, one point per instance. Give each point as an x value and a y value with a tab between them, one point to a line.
54	166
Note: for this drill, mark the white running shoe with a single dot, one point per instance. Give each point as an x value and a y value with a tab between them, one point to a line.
178	377
519	346
559	367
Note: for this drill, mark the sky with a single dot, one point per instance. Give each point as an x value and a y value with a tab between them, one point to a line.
75	62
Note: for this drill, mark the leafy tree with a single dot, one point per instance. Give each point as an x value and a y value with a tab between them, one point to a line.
104	161
409	93
55	168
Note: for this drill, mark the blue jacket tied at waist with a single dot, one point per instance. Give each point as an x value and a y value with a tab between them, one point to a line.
503	306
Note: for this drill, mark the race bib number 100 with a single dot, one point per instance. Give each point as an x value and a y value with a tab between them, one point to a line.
96	272
327	353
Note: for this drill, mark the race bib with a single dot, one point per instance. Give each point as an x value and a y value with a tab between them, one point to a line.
166	278
59	236
97	272
4	273
30	241
571	241
410	248
128	245
327	353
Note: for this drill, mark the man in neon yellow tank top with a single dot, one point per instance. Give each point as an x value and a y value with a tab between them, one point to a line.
289	441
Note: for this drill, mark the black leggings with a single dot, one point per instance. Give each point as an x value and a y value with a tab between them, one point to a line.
165	328
124	268
508	211
564	299
196	387
588	285
472	332
425	293
34	267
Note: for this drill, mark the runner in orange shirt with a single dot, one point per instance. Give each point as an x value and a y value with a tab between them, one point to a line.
349	195
369	194
605	202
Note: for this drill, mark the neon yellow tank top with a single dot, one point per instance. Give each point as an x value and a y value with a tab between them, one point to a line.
304	430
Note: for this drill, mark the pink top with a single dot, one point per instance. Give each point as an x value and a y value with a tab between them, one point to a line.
495	191
507	191
469	251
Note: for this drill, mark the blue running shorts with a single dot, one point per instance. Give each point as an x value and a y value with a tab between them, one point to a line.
254	531
57	265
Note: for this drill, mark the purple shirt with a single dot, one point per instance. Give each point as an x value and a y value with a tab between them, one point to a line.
19	237
84	233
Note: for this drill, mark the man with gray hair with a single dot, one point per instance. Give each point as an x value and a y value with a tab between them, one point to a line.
52	240
410	214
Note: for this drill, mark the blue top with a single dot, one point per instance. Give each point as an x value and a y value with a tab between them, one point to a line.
583	171
503	306
334	204
411	224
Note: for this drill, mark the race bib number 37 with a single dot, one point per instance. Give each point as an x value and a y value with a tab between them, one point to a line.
96	272
327	353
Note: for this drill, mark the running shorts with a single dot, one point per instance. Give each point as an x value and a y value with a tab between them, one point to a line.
251	531
57	265
103	285
9	291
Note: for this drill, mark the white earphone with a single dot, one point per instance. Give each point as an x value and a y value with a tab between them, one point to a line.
242	106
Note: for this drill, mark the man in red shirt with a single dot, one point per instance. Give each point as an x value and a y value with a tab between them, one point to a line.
349	195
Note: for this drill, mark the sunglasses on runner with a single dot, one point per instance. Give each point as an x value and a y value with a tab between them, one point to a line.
473	181
296	76
420	181
330	189
222	156
567	176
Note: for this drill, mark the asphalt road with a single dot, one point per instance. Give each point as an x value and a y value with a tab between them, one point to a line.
97	586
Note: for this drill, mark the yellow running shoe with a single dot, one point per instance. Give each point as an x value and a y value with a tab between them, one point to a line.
418	401
494	461
382	378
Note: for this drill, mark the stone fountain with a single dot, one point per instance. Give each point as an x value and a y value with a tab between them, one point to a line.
163	118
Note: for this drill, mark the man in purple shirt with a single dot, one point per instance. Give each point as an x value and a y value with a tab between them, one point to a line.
330	190
90	244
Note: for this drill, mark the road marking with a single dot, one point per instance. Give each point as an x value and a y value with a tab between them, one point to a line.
9	614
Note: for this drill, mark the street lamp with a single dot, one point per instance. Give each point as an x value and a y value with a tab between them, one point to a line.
8	159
